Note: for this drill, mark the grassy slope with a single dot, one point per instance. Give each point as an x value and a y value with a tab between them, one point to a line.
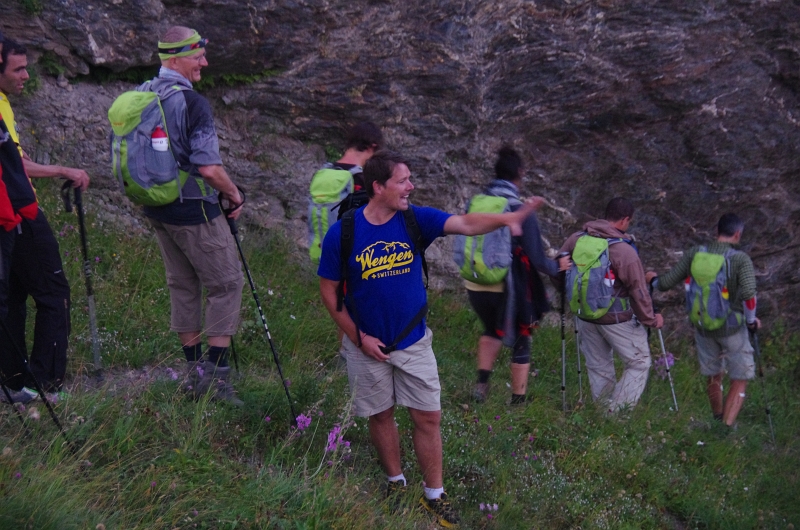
149	458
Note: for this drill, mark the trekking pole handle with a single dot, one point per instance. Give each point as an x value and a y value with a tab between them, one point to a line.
231	208
656	310
65	196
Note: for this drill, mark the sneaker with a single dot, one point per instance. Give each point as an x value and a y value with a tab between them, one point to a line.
395	491
479	392
442	509
24	396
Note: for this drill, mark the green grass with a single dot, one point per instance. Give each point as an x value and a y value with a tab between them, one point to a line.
147	457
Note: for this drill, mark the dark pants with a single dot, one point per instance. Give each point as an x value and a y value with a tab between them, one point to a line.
37	271
491	308
6	246
7	368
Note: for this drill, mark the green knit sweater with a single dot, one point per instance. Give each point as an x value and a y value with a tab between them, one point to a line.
741	283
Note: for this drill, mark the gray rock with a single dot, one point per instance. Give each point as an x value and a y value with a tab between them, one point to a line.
689	109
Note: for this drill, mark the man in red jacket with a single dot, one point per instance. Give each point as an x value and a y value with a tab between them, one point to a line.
36	267
16	200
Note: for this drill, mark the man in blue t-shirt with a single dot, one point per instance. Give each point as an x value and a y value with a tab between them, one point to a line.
384	295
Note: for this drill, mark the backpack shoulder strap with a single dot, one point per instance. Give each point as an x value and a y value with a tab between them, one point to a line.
164	90
414	232
347	241
355	170
615	240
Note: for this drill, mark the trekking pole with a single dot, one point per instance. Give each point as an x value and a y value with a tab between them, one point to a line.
666	365
87	272
754	334
563	342
578	350
36	383
664	352
235	233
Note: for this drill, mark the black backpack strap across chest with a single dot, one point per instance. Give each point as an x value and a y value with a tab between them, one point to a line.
346	245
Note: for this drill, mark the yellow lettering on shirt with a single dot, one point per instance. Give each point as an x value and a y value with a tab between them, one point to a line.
385	258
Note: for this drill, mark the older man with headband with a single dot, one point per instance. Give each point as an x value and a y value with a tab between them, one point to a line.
195	240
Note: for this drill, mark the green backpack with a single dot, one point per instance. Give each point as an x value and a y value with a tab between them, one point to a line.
590	280
707	297
329	187
148	177
485	259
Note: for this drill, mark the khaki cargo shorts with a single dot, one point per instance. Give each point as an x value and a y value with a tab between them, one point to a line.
734	353
409	378
200	258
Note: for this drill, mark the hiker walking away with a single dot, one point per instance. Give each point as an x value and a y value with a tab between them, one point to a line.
508	307
387	343
36	267
338	187
193	235
721	299
606	289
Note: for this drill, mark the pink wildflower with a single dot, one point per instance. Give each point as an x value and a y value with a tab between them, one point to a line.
303	422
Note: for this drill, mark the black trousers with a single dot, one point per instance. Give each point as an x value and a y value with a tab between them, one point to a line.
37	271
6	246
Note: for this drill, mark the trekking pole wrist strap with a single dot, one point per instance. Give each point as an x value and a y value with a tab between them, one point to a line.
231	205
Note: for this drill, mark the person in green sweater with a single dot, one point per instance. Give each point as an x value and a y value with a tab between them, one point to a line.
722	339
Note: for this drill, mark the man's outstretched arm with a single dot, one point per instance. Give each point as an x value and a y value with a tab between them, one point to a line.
472	224
78	177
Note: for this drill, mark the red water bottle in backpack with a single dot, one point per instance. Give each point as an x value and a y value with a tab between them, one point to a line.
610	278
159	140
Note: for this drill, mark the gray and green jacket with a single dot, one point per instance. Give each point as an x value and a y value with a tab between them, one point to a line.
194	143
741	281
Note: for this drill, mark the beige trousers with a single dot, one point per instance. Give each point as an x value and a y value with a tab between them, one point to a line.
629	341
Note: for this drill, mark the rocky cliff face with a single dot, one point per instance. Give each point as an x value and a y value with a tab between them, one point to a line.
688	108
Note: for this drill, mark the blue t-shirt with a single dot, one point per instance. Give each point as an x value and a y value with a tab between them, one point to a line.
384	274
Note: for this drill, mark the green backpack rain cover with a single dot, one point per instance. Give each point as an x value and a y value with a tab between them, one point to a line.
707	297
590	280
329	187
485	259
148	177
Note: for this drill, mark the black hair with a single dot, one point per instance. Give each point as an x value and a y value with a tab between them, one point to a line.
729	224
11	47
379	168
363	136
508	165
618	208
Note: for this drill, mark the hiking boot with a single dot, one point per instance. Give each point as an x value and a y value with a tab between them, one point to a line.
194	371
442	509
395	491
215	381
23	396
480	392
